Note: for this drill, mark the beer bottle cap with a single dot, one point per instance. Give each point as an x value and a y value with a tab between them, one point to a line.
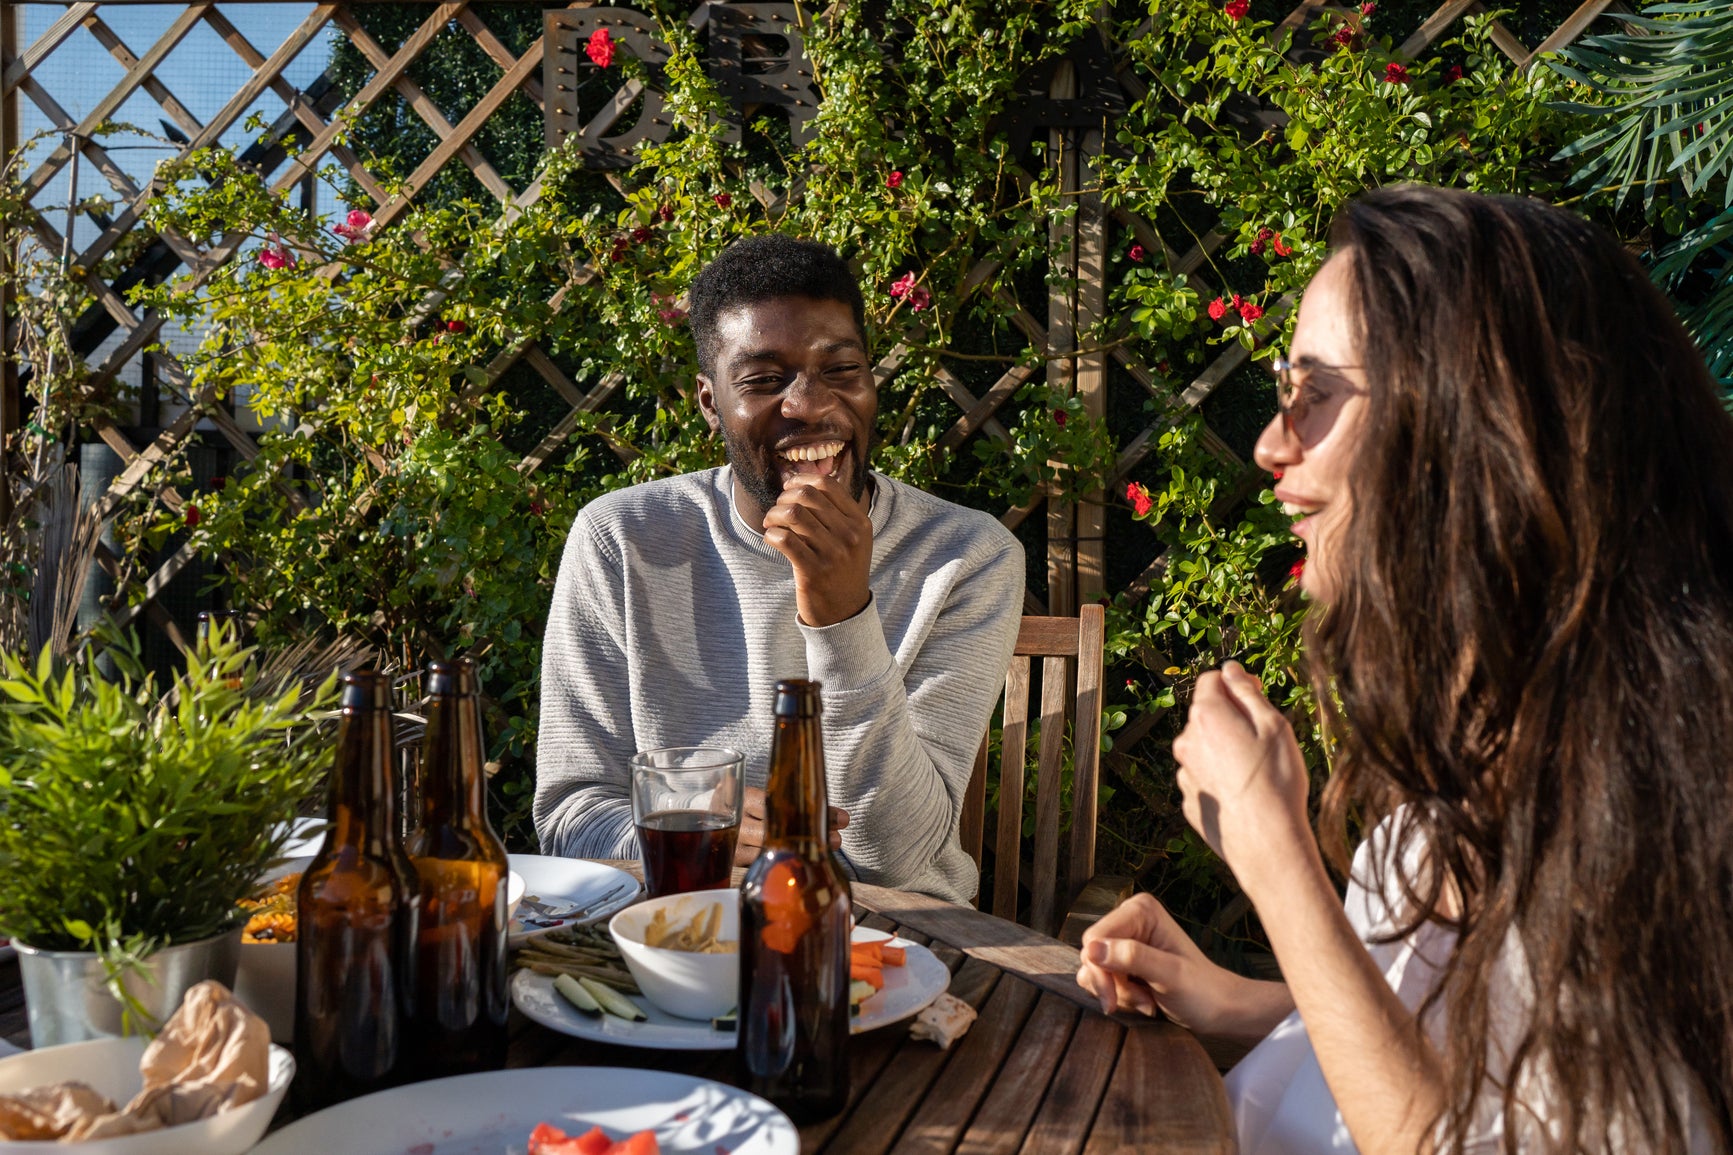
797	698
366	690
455	677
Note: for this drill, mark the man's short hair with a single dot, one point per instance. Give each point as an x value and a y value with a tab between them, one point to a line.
763	268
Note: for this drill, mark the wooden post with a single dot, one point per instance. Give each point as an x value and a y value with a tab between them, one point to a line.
1062	338
1091	379
11	407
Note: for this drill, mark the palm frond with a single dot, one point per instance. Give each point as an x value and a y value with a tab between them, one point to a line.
1665	88
1706	248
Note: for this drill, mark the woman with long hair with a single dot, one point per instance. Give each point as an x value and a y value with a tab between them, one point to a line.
1514	482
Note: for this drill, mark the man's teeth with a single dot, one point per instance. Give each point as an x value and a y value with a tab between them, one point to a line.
817	452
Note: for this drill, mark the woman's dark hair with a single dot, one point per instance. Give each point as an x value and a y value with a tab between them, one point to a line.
763	268
1531	653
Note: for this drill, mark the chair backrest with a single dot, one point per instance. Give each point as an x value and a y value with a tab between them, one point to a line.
1071	672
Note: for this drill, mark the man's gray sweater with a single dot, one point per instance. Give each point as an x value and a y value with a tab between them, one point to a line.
672	621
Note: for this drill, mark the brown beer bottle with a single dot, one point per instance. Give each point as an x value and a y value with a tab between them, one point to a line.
459	1023
357	908
794	930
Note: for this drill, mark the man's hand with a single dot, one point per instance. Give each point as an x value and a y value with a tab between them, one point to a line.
826	535
752	827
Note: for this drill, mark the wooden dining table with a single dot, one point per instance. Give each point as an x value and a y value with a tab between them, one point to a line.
1041	1071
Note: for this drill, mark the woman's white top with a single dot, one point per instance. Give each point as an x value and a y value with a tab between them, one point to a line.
1280	1102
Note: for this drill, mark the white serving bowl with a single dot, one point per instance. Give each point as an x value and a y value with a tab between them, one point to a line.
111	1066
692	986
265	979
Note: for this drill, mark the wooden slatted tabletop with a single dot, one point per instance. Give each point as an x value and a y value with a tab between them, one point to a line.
1041	1070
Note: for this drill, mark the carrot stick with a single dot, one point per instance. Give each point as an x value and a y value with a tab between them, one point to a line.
867	952
892	956
863	972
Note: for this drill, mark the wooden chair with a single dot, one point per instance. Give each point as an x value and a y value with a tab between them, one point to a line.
1066	897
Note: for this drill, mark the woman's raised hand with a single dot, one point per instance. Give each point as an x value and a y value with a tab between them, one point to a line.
1243	778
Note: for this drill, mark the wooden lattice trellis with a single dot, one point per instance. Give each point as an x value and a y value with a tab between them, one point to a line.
1076	557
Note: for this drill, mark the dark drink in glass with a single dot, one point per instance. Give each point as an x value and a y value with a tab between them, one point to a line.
686	850
686	803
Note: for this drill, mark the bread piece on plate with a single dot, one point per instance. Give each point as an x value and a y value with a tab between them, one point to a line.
944	1022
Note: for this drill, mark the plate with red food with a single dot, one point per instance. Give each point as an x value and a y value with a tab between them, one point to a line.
547	1111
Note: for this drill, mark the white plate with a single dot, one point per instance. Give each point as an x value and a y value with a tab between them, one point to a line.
908	990
493	1113
559	882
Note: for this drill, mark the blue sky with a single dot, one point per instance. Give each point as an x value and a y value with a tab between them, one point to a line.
202	72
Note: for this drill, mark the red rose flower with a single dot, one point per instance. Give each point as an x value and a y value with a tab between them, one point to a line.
1343	37
1283	249
456	327
641	234
1217	309
1236	9
1453	74
1162	367
600	48
1237	301
1141	502
190	514
895	180
621	244
355	227
666	213
537	508
723	200
1059	418
1394	73
1130	684
275	256
219	482
1368	8
1295	570
1250	312
1135	253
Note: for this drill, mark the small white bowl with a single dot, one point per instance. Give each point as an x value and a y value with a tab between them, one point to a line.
692	986
111	1066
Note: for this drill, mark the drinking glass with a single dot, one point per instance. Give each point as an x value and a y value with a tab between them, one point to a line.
686	803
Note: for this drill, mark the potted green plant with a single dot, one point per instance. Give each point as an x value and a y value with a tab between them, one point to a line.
133	822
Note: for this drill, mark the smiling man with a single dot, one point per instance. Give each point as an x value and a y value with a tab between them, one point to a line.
680	602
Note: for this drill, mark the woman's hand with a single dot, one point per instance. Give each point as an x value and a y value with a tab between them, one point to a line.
1243	778
1137	958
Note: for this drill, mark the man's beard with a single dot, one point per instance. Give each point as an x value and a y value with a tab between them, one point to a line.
757	474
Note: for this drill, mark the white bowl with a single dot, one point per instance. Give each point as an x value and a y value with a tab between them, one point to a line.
111	1066
692	986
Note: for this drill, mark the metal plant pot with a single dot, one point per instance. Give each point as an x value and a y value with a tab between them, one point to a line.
67	999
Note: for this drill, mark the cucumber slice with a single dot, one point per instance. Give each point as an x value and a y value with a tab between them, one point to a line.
859	992
568	987
611	1000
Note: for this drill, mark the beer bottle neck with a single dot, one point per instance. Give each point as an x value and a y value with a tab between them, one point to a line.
795	812
453	793
363	783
